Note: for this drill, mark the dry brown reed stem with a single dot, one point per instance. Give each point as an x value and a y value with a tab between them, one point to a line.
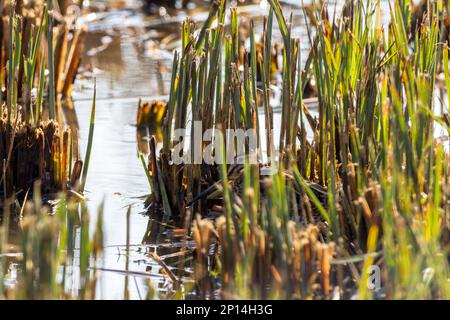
149	120
306	272
175	281
72	63
204	235
67	53
31	146
37	154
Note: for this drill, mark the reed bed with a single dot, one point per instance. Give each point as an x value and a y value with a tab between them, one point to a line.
44	219
370	188
40	46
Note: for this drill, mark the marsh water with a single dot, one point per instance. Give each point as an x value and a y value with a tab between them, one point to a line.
129	53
